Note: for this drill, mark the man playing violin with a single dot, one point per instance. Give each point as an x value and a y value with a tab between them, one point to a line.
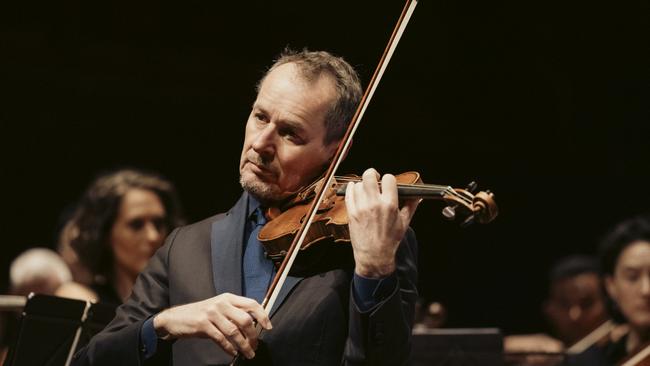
199	299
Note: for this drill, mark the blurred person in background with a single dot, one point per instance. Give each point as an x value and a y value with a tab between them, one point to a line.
80	273
625	264
574	308
428	316
576	301
38	270
121	220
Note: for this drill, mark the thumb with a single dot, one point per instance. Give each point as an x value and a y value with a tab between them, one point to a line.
408	210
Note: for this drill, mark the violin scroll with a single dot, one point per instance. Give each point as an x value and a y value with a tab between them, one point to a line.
485	208
470	207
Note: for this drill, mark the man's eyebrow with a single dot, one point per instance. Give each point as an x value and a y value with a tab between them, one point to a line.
258	107
296	126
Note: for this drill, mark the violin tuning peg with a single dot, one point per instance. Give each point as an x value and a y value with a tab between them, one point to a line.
468	221
449	212
471	187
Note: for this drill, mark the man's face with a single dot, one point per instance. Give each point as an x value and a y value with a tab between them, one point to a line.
629	286
575	306
284	146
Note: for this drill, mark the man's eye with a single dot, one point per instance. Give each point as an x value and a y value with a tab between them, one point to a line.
260	117
291	136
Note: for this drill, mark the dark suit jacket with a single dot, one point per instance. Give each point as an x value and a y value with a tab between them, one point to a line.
315	320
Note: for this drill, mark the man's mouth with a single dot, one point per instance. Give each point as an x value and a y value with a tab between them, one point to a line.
260	170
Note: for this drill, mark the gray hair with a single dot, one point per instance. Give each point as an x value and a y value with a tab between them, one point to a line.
313	64
38	268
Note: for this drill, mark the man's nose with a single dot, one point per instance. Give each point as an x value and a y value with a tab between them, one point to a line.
264	142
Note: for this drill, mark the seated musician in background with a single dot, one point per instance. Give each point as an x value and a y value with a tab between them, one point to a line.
428	316
203	288
575	306
122	219
625	264
576	301
38	270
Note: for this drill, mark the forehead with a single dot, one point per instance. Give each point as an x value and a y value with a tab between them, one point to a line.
635	255
294	73
286	89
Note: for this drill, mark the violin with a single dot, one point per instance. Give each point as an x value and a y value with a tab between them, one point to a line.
331	220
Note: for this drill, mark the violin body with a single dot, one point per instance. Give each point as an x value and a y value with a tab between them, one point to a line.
331	221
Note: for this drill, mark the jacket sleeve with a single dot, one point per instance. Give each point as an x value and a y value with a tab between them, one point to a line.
382	335
119	342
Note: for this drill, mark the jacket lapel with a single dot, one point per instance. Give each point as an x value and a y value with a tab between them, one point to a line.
226	245
289	284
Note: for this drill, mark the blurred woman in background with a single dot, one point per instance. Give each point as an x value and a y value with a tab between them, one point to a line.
121	220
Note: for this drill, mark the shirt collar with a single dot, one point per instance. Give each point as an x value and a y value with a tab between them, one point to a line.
253	204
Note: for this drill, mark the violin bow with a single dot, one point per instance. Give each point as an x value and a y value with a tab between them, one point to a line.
281	276
275	287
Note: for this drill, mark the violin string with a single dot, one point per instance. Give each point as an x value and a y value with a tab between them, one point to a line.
445	190
422	186
435	186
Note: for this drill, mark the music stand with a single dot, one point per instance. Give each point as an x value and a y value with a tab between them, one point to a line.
98	316
52	328
456	347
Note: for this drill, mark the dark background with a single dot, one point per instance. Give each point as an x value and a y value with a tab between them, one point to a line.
543	102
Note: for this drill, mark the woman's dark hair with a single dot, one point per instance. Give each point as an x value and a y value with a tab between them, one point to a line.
611	247
96	213
624	234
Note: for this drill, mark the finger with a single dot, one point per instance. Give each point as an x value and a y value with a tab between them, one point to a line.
360	195
221	340
350	205
254	309
245	322
370	180
389	189
234	336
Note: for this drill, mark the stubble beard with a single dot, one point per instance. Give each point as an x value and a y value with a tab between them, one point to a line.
264	192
